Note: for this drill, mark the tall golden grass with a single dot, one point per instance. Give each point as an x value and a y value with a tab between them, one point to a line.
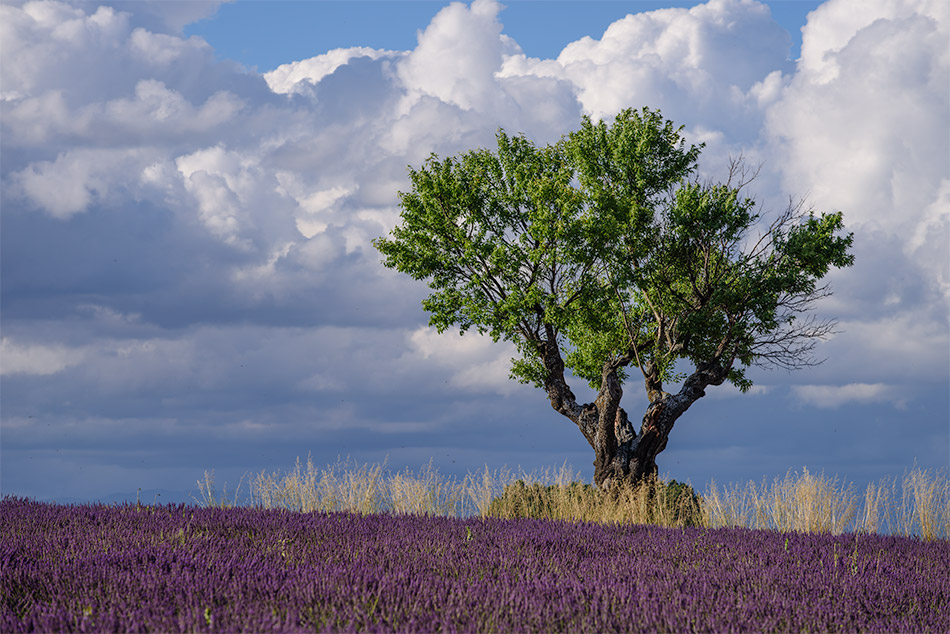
916	504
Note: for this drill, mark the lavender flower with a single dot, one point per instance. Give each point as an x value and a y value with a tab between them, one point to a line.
127	568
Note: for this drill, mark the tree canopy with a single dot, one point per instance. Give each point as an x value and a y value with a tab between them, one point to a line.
602	253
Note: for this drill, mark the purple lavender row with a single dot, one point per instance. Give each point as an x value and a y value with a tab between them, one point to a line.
177	568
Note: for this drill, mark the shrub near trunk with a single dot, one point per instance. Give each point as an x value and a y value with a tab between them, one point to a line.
665	503
684	504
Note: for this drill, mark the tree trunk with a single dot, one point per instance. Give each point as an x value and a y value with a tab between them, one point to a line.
631	460
625	458
621	456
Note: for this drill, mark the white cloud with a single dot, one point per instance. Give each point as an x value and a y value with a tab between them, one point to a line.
300	76
75	179
47	38
35	120
317	208
457	56
474	361
154	114
698	64
37	359
864	138
161	50
861	128
154	102
832	26
912	345
165	16
728	391
837	396
237	197
928	244
300	185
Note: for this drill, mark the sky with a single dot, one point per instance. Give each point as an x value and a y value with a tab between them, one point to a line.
190	191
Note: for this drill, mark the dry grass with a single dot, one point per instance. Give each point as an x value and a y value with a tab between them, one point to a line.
916	504
807	502
364	488
655	502
344	486
211	497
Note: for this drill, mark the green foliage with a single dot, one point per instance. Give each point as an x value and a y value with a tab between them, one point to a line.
600	244
538	501
686	504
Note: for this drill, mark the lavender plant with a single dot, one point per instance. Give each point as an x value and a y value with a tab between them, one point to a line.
180	568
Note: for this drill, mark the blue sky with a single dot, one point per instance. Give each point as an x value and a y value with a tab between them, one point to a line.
189	194
265	35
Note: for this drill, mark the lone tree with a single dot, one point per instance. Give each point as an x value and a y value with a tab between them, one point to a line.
601	254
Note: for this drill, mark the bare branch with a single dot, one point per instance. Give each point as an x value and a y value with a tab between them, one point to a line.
740	174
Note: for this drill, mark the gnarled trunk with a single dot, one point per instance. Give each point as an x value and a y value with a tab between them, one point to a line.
636	459
628	458
624	458
621	456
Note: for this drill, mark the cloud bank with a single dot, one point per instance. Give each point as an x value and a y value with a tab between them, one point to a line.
189	280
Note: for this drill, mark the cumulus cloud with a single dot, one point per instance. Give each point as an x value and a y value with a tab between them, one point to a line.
833	25
859	126
50	40
709	67
457	56
187	243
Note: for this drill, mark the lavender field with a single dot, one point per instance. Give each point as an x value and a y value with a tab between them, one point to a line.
181	568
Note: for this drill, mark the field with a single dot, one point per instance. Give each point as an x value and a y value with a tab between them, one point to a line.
136	568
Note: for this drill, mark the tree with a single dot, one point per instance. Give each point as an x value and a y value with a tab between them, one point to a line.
602	254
